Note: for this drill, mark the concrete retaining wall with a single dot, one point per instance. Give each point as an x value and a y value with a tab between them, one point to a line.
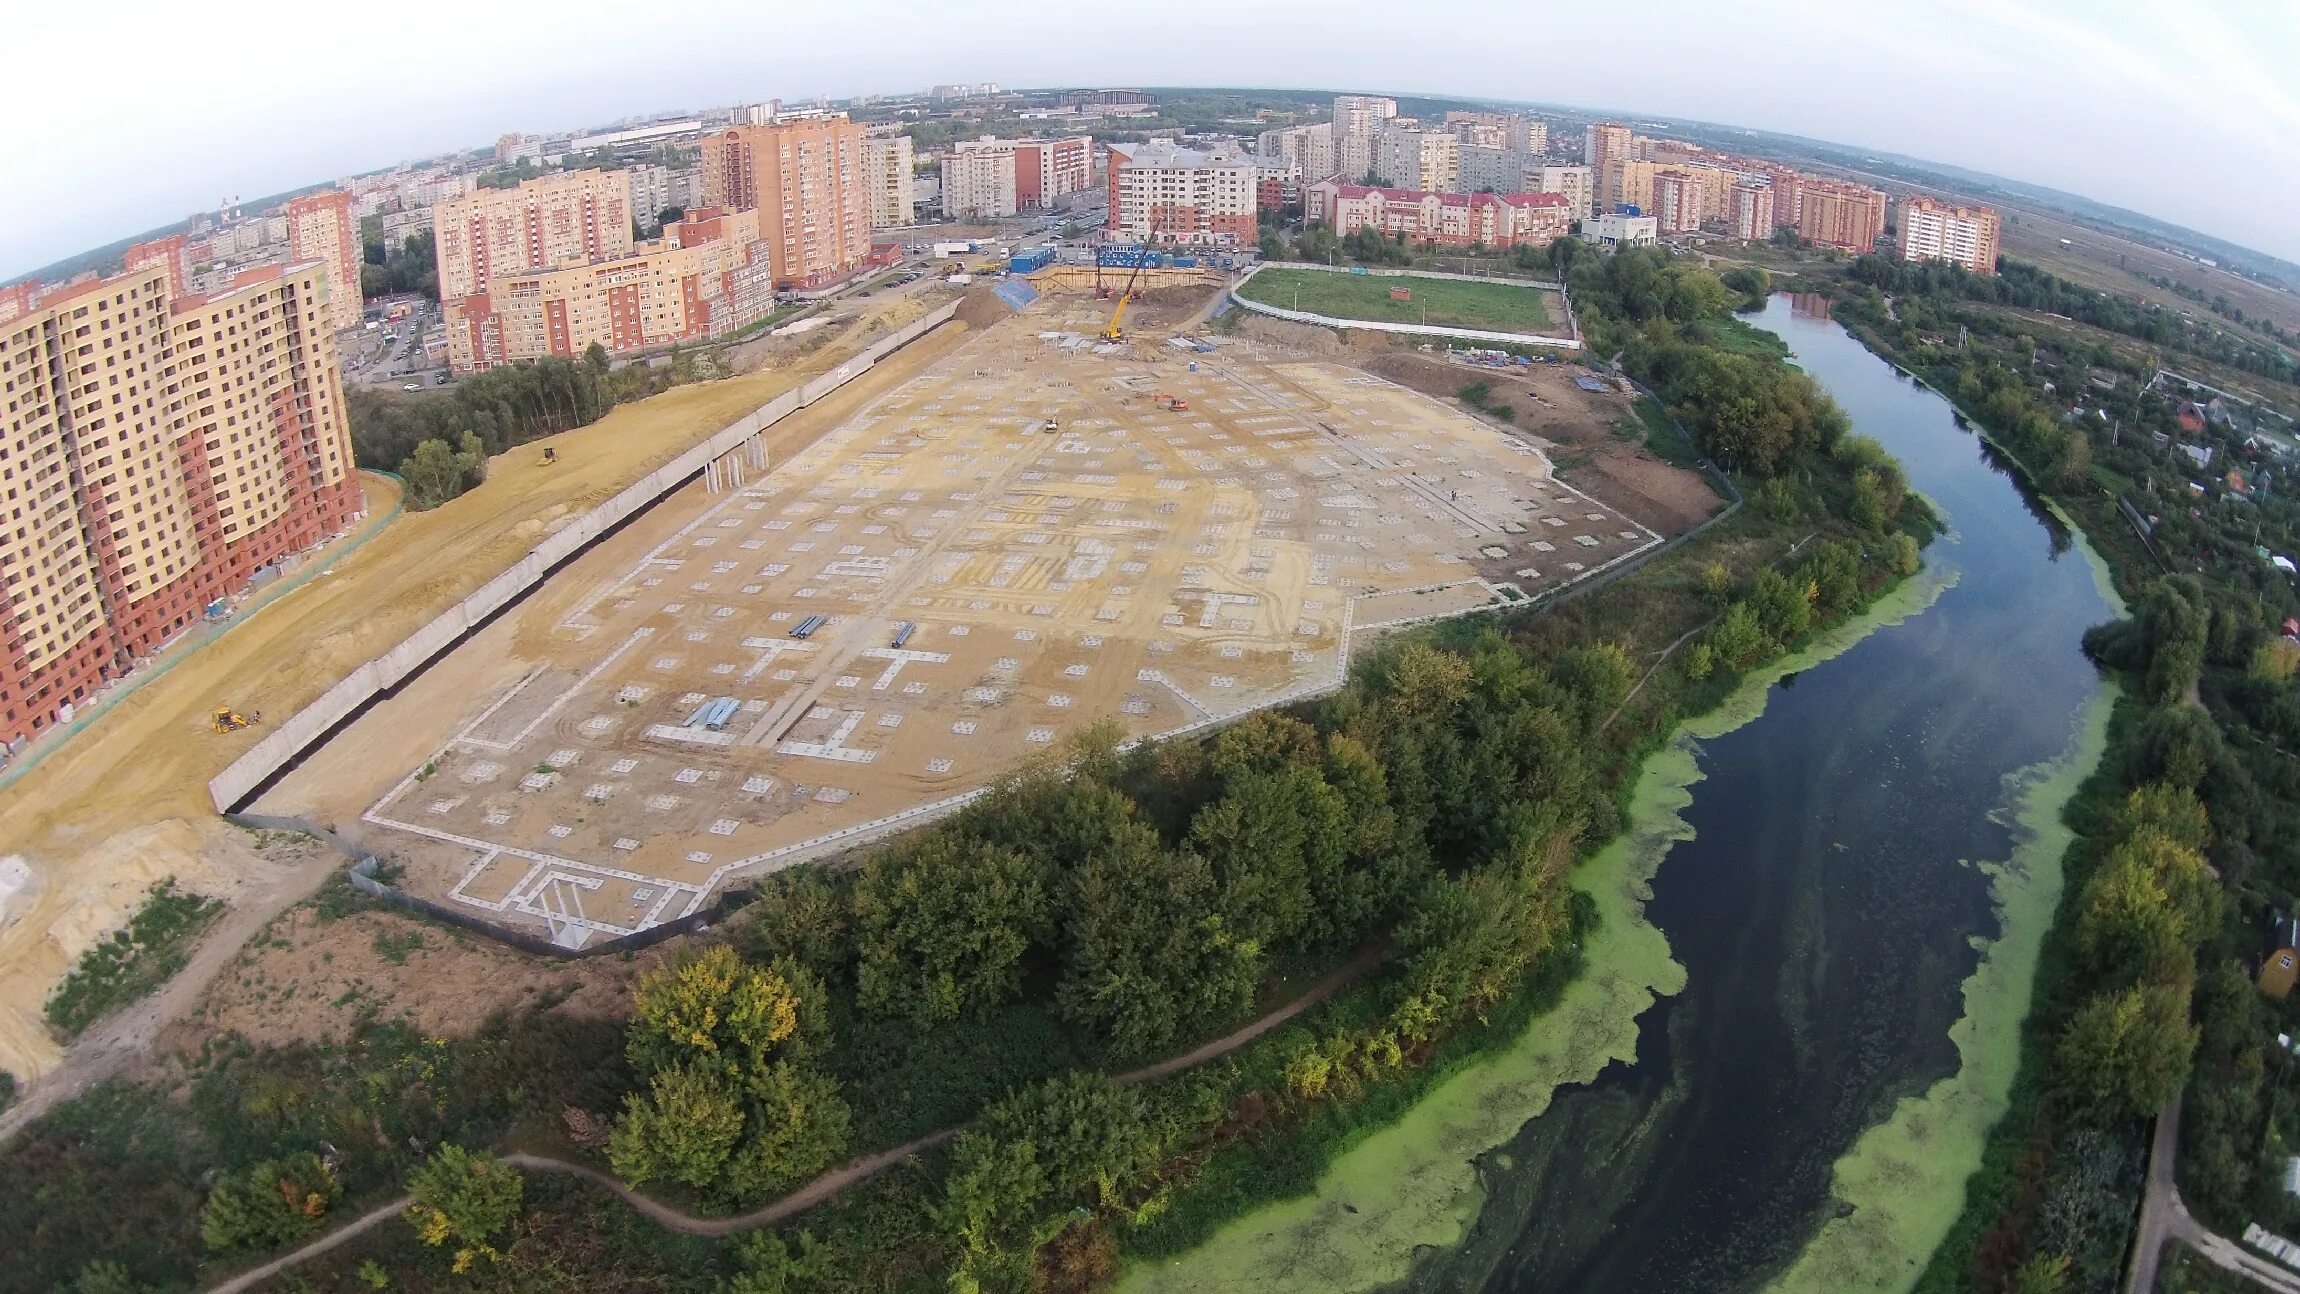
300	731
1414	330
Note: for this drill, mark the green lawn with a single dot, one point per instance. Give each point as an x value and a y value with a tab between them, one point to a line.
1448	303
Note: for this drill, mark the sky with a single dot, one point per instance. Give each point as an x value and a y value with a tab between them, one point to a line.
130	116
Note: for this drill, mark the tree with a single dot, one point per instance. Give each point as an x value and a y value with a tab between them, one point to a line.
767	1264
798	1127
436	473
1149	953
715	1006
684	1127
1273	839
469	1199
941	925
2125	1053
269	1204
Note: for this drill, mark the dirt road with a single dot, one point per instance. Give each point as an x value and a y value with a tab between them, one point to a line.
824	1187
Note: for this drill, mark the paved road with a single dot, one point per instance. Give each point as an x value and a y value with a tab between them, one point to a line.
2163	1217
821	1188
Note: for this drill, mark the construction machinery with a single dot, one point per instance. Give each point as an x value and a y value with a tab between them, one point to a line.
550	456
226	719
1110	330
1172	402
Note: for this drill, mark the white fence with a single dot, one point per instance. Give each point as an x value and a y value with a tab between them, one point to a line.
300	730
1417	330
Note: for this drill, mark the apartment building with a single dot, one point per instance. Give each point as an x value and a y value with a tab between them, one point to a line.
1163	193
656	189
322	228
157	450
1834	213
807	180
173	253
1310	148
1678	202
1940	231
888	165
1574	182
1449	219
1751	213
1606	145
1508	131
1362	114
1001	177
1419	159
710	274
1497	170
554	220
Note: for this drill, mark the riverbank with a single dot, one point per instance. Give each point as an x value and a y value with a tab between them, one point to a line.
1418	1183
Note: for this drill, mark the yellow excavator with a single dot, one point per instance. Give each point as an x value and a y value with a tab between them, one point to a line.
1110	330
226	719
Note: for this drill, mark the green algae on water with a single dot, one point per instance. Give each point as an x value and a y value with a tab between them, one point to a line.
1415	1183
1903	1180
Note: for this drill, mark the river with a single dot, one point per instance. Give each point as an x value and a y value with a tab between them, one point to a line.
1851	860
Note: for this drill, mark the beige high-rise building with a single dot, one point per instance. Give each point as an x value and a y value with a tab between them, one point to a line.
1679	202
1839	214
1606	146
806	179
321	228
888	163
1940	231
707	276
1752	211
1572	181
559	219
158	450
1428	160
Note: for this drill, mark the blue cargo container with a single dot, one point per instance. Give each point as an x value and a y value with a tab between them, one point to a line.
1126	258
1037	258
1185	262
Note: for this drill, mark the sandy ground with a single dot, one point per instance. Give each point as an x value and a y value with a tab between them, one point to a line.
1579	429
1154	566
308	979
126	801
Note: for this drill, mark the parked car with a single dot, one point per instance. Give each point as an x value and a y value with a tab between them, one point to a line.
412	386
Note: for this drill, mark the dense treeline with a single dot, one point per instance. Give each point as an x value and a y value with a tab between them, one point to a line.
2190	831
440	441
389	271
2026	287
1658	313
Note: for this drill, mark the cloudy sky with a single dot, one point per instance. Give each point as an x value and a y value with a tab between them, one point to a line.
132	113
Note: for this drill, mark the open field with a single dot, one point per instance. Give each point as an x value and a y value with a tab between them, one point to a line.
125	803
2121	266
1160	567
1445	303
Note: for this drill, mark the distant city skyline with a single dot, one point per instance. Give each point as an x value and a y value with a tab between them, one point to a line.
2121	102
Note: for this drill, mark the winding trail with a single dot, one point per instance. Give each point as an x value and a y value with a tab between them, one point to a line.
829	1184
2163	1217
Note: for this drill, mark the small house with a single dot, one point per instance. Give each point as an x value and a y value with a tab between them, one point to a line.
2280	966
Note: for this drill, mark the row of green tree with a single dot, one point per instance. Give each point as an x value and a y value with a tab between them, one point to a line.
391	271
440	441
2026	287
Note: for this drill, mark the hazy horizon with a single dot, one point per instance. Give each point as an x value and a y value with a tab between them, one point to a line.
2098	89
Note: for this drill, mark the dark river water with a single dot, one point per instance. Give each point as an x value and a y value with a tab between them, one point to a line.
1825	910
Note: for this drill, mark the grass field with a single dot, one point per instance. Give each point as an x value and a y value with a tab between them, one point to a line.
1446	303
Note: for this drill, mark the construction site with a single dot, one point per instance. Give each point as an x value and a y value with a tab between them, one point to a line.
1077	513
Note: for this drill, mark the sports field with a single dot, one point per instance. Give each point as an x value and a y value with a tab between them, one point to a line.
1445	303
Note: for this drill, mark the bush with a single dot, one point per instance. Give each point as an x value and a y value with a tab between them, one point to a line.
269	1204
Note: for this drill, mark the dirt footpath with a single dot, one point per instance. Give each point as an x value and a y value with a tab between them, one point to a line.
1588	434
126	801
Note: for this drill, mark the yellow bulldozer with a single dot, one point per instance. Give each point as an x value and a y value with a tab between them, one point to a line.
226	719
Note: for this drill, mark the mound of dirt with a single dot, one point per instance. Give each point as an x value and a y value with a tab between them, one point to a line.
980	308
